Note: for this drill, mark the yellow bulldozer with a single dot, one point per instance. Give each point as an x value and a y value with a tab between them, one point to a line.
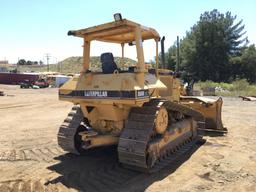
138	108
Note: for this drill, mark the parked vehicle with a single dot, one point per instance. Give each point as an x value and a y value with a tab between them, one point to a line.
40	83
26	84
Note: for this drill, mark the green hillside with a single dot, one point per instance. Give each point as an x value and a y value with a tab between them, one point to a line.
69	65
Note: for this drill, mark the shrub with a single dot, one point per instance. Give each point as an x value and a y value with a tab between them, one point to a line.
236	88
240	85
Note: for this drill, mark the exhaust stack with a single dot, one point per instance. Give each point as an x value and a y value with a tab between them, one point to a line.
162	53
178	55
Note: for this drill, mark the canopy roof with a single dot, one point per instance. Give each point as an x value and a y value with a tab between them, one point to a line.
116	32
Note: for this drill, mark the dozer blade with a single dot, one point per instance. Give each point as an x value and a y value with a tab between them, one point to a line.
211	110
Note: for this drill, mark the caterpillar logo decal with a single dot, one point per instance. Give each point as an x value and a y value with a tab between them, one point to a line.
95	93
91	94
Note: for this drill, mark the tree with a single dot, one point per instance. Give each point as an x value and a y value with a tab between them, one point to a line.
171	57
207	48
248	64
236	70
29	62
21	62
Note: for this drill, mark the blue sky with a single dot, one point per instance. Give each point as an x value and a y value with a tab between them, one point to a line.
29	28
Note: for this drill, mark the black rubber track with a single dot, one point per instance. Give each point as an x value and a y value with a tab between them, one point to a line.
138	131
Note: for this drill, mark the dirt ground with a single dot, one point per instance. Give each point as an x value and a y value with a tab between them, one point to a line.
30	159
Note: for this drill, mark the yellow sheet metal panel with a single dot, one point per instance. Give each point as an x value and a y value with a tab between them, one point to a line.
116	32
210	108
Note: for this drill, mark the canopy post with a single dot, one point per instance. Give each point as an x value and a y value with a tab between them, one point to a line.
139	48
122	60
140	76
86	55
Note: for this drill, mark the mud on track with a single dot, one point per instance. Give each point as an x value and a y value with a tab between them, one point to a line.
30	159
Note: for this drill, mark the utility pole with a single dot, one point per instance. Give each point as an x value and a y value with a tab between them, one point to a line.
178	54
55	61
59	64
47	55
17	65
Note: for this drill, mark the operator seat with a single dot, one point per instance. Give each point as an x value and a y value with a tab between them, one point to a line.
108	63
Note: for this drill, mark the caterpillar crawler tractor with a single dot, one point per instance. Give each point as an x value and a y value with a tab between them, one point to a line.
138	109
